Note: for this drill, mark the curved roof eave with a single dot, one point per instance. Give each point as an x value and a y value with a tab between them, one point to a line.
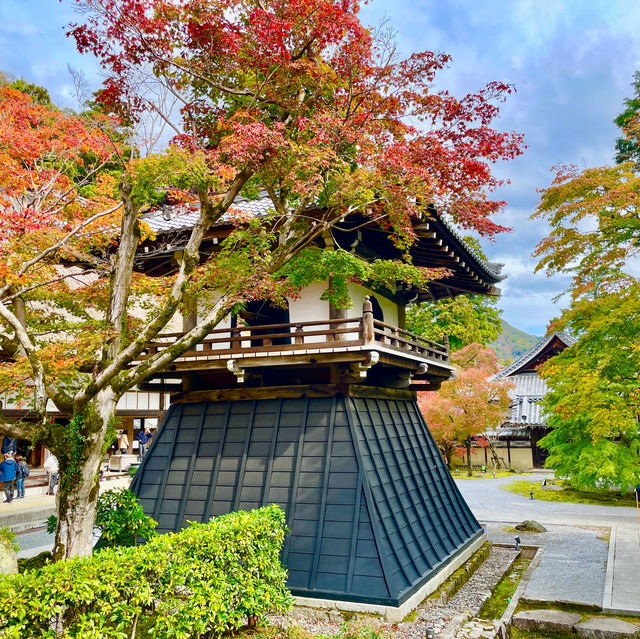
179	218
533	352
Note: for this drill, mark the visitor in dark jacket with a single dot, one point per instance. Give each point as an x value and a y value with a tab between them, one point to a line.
8	476
22	472
144	437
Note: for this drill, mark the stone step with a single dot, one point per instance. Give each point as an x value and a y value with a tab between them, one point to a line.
569	622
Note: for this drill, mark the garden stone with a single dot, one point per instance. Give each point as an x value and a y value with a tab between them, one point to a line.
529	525
600	628
8	560
550	620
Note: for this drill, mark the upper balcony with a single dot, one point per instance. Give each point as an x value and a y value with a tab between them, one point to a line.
361	341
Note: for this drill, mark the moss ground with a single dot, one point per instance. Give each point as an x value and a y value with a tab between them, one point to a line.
502	593
567	494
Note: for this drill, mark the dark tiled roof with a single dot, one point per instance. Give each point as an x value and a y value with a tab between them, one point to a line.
533	352
492	269
168	219
529	390
183	217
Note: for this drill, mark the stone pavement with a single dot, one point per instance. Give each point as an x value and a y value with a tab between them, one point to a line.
571	563
28	517
622	587
572	567
30	512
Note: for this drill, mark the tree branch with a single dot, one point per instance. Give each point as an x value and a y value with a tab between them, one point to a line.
208	215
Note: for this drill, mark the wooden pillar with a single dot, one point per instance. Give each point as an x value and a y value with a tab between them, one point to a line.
368	336
337	313
402	316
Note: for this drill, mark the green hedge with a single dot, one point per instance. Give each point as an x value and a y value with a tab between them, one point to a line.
204	580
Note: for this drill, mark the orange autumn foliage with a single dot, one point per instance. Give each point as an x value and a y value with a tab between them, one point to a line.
467	405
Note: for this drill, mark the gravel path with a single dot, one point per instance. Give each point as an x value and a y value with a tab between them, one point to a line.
469	598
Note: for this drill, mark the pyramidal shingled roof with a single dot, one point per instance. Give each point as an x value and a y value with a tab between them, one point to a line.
534	351
373	512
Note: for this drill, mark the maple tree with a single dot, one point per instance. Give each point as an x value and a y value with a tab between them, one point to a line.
467	405
461	320
593	405
296	99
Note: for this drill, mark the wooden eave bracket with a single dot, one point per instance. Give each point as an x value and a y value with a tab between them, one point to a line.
371	359
421	370
232	366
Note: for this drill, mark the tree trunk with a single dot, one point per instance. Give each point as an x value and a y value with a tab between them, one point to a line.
497	462
78	489
468	447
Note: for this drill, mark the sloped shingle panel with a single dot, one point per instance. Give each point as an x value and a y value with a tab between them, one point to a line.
372	509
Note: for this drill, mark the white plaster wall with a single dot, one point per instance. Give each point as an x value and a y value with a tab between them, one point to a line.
358	293
308	307
205	303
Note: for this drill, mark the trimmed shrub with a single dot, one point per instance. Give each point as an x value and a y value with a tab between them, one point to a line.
204	580
121	519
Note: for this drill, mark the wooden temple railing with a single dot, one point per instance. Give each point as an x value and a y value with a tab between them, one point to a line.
330	334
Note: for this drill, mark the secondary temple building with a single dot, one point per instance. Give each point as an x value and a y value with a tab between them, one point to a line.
314	408
526	425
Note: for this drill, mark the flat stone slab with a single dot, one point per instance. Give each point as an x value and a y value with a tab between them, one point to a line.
552	620
606	629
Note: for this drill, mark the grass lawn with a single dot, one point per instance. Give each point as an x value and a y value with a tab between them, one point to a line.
567	494
461	473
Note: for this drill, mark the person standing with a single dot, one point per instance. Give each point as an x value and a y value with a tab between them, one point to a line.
22	472
144	437
53	469
8	476
123	442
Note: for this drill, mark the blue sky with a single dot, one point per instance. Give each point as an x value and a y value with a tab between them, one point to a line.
572	63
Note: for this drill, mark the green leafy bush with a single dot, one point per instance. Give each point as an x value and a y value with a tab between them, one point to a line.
121	519
206	579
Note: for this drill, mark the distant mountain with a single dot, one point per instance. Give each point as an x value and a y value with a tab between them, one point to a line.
512	343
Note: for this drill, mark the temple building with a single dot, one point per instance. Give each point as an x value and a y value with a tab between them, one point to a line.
519	435
313	408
